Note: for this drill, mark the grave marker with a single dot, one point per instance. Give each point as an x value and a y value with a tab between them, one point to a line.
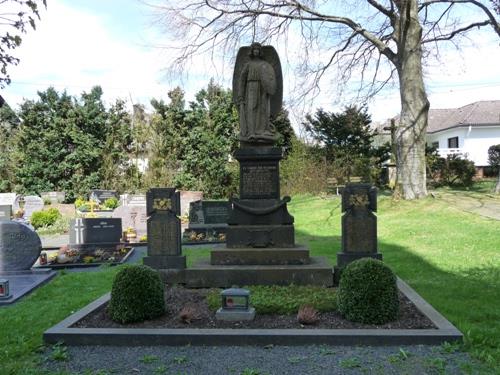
164	230
5	212
359	224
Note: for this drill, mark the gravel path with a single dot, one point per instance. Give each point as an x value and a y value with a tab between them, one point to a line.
276	360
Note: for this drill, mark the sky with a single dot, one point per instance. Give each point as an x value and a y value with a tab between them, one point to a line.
112	43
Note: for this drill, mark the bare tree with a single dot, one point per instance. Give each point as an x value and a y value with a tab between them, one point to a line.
371	41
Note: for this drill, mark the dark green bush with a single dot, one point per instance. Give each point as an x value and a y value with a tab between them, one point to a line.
137	295
368	293
44	218
450	171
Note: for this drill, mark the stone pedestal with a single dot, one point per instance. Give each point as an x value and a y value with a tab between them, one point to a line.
259	218
359	225
260	243
164	230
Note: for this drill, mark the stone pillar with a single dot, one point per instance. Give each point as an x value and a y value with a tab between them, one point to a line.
259	218
359	224
164	230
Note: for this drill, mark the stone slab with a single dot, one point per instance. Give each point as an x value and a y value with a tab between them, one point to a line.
165	262
260	256
205	275
235	315
22	283
445	332
239	236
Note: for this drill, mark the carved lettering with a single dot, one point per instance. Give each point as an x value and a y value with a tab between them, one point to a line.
259	180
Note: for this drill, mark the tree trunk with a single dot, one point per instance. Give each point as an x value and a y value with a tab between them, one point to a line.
412	126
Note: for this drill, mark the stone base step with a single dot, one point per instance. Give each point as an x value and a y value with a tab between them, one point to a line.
260	256
205	275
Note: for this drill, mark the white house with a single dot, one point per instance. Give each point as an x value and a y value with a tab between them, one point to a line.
468	131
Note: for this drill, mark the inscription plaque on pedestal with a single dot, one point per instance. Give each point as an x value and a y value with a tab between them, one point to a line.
164	236
259	180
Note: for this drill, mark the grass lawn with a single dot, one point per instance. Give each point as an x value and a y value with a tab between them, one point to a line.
451	257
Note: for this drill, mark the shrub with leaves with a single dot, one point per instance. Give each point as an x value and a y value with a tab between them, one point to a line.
111	203
137	295
45	218
368	292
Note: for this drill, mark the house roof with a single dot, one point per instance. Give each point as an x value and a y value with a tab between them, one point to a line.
484	113
478	113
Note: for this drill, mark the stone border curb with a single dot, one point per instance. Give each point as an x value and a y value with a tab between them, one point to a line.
445	332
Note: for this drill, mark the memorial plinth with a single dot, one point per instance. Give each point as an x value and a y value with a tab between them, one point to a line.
260	244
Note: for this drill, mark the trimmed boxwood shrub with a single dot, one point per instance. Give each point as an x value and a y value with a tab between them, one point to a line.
136	295
44	218
368	292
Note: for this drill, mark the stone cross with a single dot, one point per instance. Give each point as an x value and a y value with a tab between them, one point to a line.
79	228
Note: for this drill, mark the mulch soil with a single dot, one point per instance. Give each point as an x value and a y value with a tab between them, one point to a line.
177	298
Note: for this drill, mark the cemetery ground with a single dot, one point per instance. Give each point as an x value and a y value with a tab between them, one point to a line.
450	256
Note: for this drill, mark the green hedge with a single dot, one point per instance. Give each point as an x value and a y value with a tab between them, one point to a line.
368	292
137	295
45	218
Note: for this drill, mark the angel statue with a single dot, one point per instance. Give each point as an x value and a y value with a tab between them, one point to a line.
257	92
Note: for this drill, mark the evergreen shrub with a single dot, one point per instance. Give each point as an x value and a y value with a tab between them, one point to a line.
137	294
45	218
368	292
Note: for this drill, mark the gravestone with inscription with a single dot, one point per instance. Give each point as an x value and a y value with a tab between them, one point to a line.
32	203
54	196
207	222
88	234
5	212
133	200
188	196
102	195
19	247
132	217
359	224
164	230
9	199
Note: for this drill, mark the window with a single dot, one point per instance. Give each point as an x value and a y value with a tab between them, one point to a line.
453	142
435	145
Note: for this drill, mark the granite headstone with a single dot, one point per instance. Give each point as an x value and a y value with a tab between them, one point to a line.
8	199
5	212
91	231
54	196
20	247
32	203
102	195
359	224
132	217
164	229
133	200
187	197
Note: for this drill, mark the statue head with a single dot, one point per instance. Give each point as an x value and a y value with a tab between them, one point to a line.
256	50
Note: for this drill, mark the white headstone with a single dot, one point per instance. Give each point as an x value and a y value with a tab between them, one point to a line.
133	200
187	197
32	203
7	199
132	217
